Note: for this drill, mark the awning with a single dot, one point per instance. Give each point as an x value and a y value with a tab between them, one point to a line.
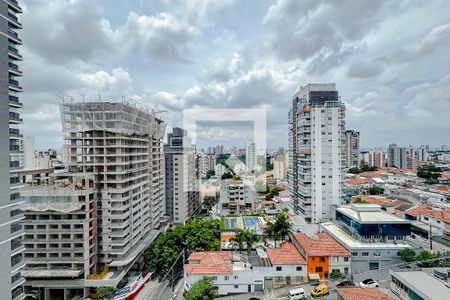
314	276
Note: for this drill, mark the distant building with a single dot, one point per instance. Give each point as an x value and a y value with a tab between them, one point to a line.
182	182
396	157
371	235
280	167
422	154
29	148
352	148
250	156
316	151
206	163
219	170
236	196
377	159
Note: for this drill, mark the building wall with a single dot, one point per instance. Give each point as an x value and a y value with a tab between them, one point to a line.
315	262
384	258
341	263
11	153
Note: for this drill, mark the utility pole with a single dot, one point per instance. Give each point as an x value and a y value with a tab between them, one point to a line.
430	236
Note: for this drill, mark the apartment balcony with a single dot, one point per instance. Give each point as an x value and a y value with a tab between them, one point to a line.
14	53
14	85
14	101
14	37
15	118
18	294
12	18
14	69
14	5
14	148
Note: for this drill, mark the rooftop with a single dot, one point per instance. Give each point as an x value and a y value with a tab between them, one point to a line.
368	213
350	242
373	199
417	210
443	215
286	254
358	293
321	244
219	262
423	284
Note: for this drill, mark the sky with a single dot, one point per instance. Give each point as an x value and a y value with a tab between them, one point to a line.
390	61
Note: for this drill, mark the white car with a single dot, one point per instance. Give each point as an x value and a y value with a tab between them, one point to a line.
369	283
297	294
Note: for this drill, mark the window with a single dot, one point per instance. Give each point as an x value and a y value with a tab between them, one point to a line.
345	271
226	277
377	253
346	258
319	269
279	269
236	286
374	266
365	254
235	277
214	277
322	259
354	253
299	268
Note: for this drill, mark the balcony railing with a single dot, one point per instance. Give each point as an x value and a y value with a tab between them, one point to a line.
14	116
14	50
14	147
15	228
13	17
13	82
13	66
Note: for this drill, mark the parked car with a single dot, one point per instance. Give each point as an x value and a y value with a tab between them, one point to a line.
320	290
369	283
297	294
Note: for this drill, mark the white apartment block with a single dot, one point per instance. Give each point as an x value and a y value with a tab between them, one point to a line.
182	182
219	170
316	150
206	163
236	196
377	159
122	146
250	156
352	148
280	167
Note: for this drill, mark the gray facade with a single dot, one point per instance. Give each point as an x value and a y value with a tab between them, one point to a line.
11	154
353	148
182	177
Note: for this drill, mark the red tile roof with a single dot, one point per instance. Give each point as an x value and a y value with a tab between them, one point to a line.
357	293
444	188
373	199
359	180
209	263
415	211
321	244
443	215
395	203
445	175
286	254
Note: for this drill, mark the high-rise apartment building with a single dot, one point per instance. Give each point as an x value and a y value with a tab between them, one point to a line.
316	150
280	167
377	159
396	156
250	156
182	182
352	148
206	163
11	154
422	153
236	196
121	145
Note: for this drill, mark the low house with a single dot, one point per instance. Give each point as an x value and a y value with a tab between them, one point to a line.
324	255
288	265
235	273
439	220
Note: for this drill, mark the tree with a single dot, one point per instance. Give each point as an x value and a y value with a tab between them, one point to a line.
250	240
195	235
359	200
202	290
106	292
407	254
210	173
375	190
279	229
354	170
238	241
429	172
227	175
335	274
269	166
424	255
210	201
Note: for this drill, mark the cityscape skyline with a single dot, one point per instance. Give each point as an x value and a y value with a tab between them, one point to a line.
234	54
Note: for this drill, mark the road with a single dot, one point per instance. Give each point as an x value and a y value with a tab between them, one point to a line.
155	290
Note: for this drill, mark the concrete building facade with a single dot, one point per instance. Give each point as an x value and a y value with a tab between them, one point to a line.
396	156
182	182
11	153
280	167
352	148
236	196
250	156
316	150
121	145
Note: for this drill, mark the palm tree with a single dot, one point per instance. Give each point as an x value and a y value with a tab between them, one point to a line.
279	229
238	241
250	239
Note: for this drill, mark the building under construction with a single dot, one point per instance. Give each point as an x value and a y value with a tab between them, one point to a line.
113	154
